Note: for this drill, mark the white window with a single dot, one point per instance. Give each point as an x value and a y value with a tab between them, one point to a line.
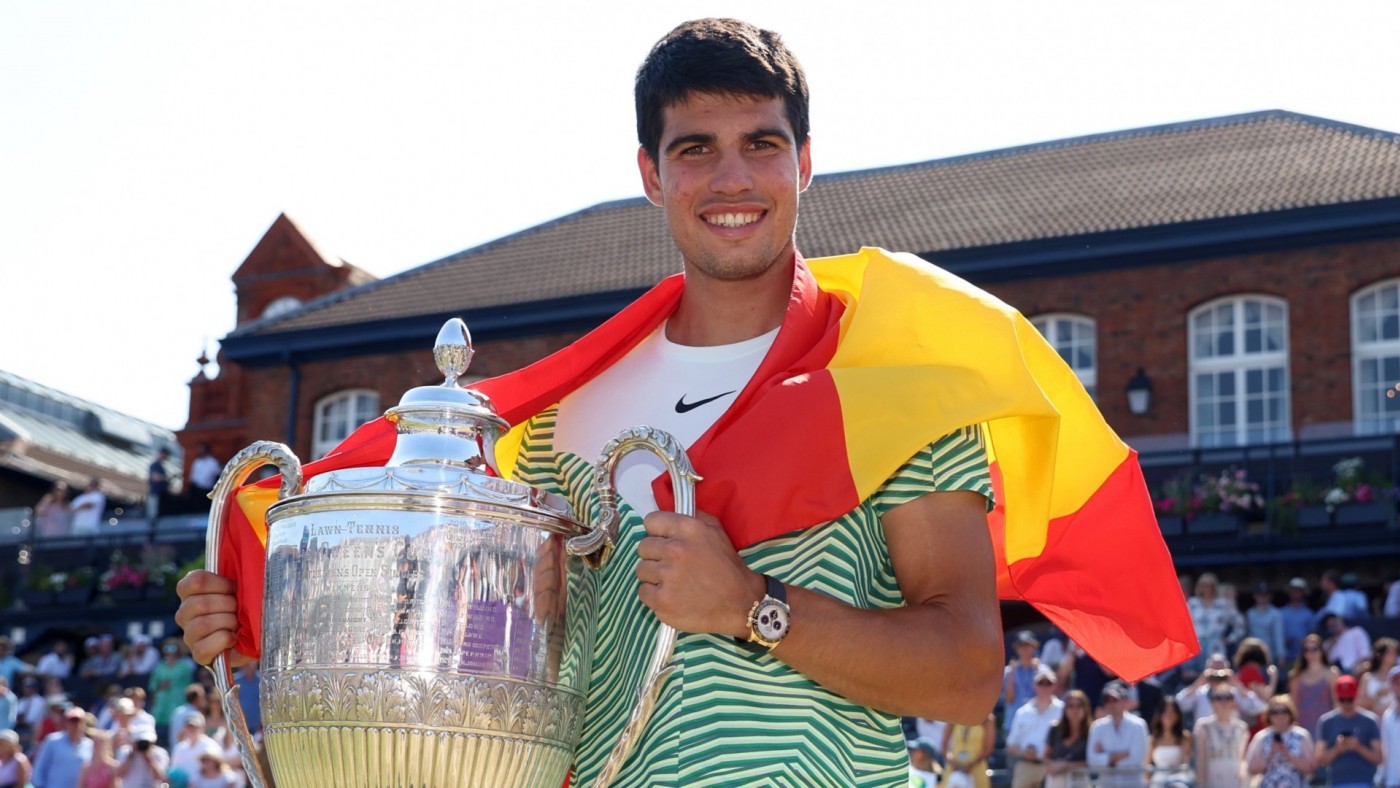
1073	337
1239	372
1375	353
338	415
280	306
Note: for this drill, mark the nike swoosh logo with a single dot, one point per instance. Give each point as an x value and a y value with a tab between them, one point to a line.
685	407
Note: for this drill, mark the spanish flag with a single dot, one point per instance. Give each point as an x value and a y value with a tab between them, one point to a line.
878	355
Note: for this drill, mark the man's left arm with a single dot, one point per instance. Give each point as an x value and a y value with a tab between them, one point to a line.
897	660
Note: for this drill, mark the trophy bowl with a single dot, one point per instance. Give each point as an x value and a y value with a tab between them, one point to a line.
429	623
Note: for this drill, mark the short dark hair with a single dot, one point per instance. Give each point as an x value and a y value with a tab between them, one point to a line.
721	57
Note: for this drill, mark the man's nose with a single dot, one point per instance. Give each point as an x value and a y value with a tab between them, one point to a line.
732	174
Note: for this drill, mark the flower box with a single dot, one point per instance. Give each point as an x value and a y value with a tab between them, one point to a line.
74	595
126	594
1216	523
1314	516
1171	524
1371	513
37	597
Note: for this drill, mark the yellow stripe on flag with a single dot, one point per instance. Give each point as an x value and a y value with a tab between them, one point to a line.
255	501
904	358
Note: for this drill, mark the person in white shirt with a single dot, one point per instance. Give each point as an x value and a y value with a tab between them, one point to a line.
1029	738
87	509
144	763
57	664
204	471
1346	646
1117	740
1194	699
142	659
191	743
1390	735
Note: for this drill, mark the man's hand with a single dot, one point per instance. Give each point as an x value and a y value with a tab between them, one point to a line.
692	577
209	616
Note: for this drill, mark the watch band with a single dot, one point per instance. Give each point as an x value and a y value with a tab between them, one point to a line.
774	593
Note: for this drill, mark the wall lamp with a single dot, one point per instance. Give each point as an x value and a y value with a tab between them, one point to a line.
1139	393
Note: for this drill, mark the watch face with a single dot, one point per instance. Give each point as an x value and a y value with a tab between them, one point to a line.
771	623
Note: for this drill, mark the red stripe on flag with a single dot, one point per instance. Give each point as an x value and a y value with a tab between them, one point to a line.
1106	579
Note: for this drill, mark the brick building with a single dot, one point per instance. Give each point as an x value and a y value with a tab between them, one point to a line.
1245	270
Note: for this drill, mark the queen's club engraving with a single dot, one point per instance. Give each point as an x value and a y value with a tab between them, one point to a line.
429	623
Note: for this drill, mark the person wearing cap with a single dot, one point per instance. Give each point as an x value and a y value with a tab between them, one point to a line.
1017	681
1264	621
924	771
190	743
1030	731
1390	735
1297	617
1347	645
14	766
143	764
196	702
1117	740
1349	740
63	753
214	772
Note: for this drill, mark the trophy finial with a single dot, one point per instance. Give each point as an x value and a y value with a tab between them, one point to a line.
453	351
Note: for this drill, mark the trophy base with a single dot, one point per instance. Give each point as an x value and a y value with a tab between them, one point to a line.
409	757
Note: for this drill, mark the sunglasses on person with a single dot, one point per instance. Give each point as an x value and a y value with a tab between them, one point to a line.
1222	697
1278	712
1313	649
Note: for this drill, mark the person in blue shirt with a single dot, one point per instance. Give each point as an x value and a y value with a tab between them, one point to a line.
64	753
1297	618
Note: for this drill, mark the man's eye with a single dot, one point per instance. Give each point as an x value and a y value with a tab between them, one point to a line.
694	150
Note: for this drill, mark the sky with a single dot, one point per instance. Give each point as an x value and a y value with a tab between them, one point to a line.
145	147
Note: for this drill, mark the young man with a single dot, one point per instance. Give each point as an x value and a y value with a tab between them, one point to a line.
883	582
1349	739
1117	740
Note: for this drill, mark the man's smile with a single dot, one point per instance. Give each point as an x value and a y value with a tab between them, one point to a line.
733	219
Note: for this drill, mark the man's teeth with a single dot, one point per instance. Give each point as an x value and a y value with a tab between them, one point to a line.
733	219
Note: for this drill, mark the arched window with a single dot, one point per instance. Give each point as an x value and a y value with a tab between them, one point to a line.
338	415
280	306
1074	338
1375	353
1239	372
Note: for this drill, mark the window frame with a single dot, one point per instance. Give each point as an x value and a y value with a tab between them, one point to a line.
1090	378
1360	353
321	446
1240	362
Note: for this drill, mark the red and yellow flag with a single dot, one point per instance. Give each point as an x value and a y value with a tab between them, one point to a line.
880	354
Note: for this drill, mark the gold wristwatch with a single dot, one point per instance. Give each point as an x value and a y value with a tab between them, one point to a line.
769	619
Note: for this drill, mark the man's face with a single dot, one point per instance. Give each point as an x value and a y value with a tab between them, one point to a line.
729	174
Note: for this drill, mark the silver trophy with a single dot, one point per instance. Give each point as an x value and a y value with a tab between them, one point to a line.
429	623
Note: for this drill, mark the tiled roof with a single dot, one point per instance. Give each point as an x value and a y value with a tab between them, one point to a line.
1209	169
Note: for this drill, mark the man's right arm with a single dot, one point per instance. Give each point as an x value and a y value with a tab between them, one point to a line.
1097	753
208	614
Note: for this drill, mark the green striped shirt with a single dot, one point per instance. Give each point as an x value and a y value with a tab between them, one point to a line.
728	716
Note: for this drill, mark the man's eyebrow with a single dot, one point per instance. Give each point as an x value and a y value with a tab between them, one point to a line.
759	134
689	139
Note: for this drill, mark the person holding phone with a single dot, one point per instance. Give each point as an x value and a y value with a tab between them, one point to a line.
1349	739
1282	753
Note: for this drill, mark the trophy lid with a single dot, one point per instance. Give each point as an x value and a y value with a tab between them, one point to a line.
445	422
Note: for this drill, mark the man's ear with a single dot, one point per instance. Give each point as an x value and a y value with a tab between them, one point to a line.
651	177
804	165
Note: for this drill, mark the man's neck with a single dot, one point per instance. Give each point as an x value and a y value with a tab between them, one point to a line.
722	312
1043	703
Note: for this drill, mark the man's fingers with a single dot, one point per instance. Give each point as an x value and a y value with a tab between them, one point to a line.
203	582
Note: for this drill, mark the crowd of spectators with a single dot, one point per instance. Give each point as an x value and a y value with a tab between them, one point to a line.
1283	693
130	714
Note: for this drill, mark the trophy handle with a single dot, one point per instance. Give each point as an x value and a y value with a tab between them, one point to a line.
234	475
595	546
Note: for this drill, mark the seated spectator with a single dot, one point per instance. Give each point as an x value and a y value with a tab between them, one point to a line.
103	662
57	663
1347	645
923	763
143	659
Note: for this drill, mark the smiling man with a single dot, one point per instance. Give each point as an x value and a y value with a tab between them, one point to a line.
841	572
